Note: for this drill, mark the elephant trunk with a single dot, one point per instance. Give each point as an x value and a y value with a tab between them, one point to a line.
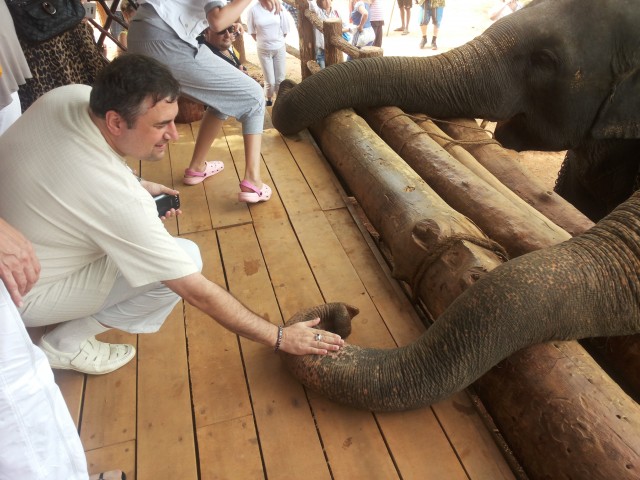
449	85
581	288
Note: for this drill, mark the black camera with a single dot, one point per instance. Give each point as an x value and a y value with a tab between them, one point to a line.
165	202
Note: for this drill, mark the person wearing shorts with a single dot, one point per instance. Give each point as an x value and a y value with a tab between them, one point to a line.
405	15
167	31
431	10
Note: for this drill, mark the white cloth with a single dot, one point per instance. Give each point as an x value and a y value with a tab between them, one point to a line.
10	113
15	70
186	17
269	28
135	310
38	440
87	216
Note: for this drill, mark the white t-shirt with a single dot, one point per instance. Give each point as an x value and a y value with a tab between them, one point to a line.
188	18
269	28
76	200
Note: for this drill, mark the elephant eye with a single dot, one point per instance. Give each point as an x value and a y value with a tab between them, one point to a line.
544	59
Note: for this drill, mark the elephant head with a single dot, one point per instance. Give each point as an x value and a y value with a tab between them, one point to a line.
557	74
559	293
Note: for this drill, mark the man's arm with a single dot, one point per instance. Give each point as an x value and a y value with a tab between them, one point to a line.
231	314
19	266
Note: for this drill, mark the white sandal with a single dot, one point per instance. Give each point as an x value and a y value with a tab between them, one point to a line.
94	357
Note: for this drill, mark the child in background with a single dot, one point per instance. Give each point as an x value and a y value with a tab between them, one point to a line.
363	34
269	29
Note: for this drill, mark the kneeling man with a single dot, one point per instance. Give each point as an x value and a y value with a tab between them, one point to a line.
107	260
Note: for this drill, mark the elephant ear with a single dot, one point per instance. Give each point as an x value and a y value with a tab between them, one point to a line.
620	114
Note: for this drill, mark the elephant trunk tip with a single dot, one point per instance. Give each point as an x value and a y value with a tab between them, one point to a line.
340	319
334	317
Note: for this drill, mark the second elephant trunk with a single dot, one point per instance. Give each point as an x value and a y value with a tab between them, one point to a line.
574	290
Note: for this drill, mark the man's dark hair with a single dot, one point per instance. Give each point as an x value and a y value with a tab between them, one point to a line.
124	84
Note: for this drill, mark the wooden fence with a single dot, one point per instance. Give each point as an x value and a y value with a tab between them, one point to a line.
335	44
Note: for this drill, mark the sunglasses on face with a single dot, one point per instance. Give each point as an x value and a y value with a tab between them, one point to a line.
231	30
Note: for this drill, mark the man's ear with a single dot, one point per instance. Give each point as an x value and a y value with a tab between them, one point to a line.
115	123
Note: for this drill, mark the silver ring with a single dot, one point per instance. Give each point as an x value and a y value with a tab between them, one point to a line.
317	337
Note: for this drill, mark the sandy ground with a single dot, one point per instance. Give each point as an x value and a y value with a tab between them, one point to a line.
462	21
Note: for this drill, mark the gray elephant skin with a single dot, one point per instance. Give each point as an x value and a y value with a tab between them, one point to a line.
556	75
598	295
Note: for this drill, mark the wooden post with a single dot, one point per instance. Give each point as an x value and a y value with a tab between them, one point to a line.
332	30
307	38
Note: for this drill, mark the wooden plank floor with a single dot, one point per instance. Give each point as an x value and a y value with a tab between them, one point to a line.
200	403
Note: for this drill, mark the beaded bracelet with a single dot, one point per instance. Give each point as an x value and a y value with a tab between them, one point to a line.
279	340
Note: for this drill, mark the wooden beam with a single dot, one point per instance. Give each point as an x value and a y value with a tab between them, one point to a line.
502	163
505	218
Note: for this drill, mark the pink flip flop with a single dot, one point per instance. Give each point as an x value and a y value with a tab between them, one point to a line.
256	195
191	177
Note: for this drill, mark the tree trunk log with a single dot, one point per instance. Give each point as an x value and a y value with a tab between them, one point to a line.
503	164
562	416
560	424
621	357
437	251
508	221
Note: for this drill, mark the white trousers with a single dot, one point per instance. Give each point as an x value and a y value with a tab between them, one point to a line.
38	439
10	113
135	310
274	65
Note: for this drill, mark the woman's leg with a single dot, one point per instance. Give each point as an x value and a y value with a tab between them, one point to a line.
267	63
209	129
279	67
212	81
252	144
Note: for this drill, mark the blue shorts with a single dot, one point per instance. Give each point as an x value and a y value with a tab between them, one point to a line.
426	14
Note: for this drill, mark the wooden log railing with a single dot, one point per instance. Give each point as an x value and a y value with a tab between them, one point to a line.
334	43
106	17
559	413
